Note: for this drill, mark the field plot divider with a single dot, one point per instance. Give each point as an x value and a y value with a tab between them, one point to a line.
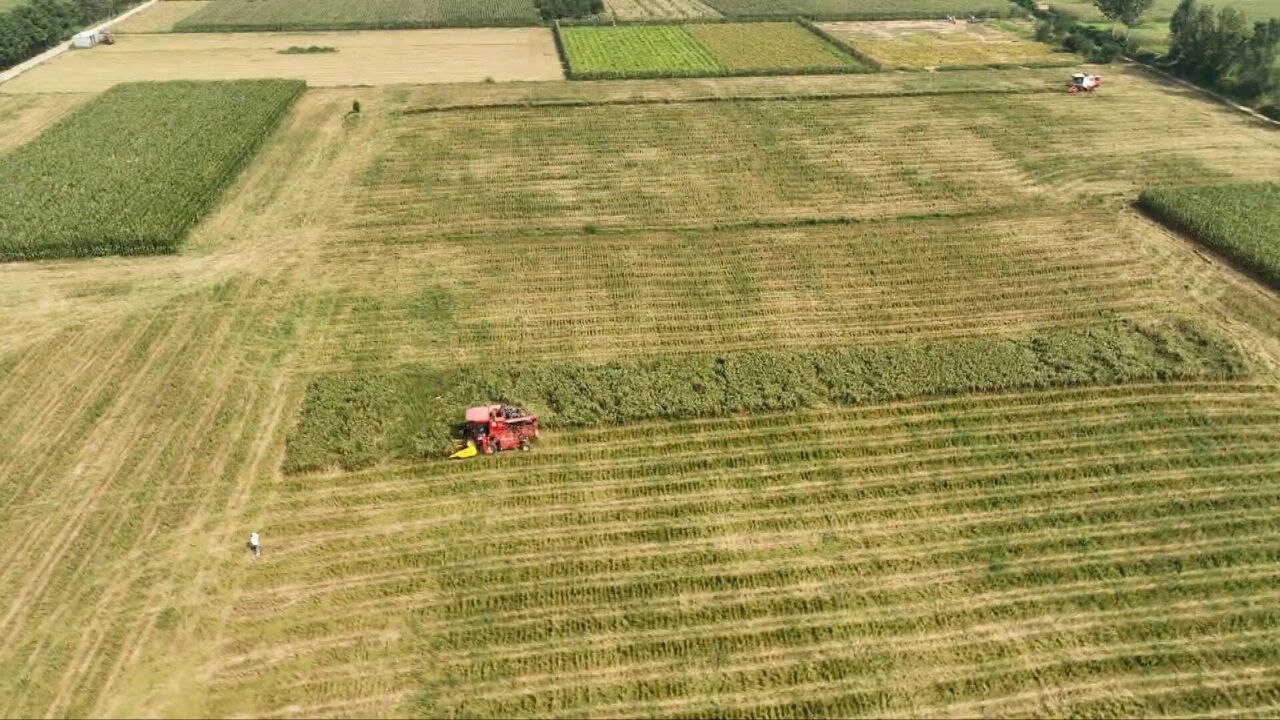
569	103
560	51
860	56
998	212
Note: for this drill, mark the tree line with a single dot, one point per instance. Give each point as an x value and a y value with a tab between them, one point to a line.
556	9
36	25
1217	47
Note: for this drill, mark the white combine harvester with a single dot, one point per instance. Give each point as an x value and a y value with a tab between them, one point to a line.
1083	83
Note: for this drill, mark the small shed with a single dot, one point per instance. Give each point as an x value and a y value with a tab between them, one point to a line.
84	39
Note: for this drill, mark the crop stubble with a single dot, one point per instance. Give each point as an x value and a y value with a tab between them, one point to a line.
362	58
1097	552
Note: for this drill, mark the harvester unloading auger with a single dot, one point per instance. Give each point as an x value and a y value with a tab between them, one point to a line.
490	428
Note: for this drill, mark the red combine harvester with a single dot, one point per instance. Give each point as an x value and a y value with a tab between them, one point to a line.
490	428
1082	83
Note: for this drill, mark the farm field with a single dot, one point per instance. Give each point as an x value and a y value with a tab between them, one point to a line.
932	44
1107	549
700	49
1162	9
658	9
161	17
860	9
362	58
162	154
291	15
1239	221
794	564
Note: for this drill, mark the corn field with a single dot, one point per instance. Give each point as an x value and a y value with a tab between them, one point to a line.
297	15
1239	221
130	172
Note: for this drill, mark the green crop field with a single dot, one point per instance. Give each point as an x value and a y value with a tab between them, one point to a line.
134	169
293	15
630	51
863	395
635	50
1161	10
861	9
1239	221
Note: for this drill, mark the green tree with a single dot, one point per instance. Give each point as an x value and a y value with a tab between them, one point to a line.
1128	12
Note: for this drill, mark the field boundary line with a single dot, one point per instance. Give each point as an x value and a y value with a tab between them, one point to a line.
65	45
1162	75
1011	211
851	95
1206	251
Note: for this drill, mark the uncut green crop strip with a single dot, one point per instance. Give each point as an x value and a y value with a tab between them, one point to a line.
362	418
860	9
1080	553
262	15
1239	221
133	170
701	49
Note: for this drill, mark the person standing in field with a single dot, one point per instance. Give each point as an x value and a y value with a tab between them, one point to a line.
254	545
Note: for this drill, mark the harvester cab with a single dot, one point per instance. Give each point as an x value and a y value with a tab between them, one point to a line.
1083	83
491	428
107	38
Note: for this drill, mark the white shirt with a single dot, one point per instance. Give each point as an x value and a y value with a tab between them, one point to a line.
253	538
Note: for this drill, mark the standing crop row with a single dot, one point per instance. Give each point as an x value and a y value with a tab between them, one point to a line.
133	170
358	419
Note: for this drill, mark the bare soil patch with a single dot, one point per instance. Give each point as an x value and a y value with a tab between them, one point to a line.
363	58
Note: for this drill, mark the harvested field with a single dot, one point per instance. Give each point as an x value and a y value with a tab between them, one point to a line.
724	162
161	17
932	44
860	9
362	58
471	171
740	289
300	15
1056	553
23	117
658	9
1096	551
